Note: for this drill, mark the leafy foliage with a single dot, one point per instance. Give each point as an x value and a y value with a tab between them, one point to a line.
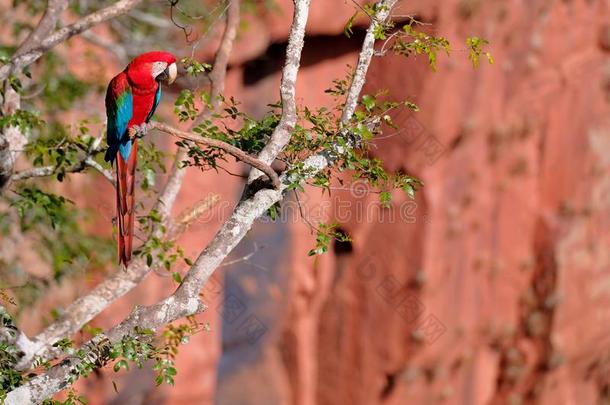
9	377
141	347
35	206
60	234
61	147
72	398
476	45
325	234
22	119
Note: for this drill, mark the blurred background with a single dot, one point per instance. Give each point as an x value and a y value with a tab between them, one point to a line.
492	286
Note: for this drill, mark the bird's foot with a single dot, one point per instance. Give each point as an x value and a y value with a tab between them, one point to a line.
138	131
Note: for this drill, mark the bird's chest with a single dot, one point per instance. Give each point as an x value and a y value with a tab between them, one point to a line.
143	104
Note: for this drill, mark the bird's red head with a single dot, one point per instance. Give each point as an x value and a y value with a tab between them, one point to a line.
151	67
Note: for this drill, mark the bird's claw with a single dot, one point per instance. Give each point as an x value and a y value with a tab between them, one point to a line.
138	131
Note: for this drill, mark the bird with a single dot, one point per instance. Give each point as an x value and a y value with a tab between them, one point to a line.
131	99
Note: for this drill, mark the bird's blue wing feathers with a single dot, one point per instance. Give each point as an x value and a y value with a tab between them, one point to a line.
155	104
119	110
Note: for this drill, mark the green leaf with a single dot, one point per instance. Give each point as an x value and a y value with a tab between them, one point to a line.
369	102
385	199
120	364
347	29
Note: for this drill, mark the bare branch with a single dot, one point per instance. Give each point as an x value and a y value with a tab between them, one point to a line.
104	172
188	216
6	163
19	61
282	133
13	138
383	8
228	148
46	24
150	19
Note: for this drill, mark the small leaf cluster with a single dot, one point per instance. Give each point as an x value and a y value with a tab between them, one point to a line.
140	347
22	119
322	131
370	10
151	162
193	67
185	107
72	398
475	46
420	43
156	249
409	41
61	147
35	206
163	251
325	234
61	239
136	348
250	136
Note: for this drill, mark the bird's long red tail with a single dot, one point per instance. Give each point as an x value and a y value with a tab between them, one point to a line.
125	202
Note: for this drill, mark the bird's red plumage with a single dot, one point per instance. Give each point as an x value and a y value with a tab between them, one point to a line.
139	76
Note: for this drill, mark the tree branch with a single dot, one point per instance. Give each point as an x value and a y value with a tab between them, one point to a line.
383	8
86	161
282	133
215	143
116	49
35	51
46	24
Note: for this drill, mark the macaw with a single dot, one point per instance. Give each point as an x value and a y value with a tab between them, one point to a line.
131	100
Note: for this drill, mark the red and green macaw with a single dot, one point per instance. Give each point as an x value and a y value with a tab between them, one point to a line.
131	100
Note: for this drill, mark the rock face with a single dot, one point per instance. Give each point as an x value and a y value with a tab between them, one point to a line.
492	286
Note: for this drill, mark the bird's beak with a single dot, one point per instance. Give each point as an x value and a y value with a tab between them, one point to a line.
169	74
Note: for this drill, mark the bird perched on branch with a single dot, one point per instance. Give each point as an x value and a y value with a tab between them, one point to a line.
131	100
